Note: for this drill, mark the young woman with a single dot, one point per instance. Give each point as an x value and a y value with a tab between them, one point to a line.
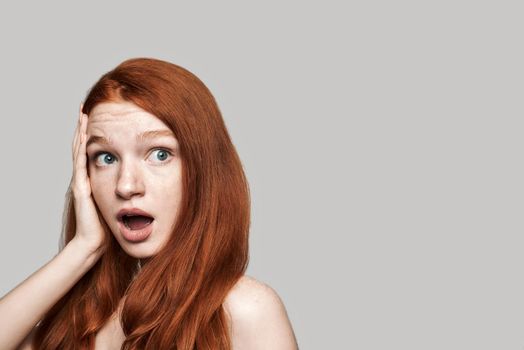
155	236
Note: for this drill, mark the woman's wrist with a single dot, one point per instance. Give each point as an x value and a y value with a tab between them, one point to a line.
92	251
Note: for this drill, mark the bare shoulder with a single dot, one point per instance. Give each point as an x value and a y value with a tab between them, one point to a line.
258	317
247	295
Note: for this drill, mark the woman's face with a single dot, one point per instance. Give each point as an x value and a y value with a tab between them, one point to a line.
133	162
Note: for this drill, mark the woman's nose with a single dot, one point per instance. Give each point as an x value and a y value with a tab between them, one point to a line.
129	182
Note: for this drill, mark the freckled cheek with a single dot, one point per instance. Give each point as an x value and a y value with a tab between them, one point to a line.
170	185
96	189
99	184
169	191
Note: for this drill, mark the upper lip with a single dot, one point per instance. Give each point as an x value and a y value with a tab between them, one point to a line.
131	211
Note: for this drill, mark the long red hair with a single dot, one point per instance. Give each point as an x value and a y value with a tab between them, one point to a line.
176	300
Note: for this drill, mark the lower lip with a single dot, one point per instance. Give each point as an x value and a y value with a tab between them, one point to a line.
135	235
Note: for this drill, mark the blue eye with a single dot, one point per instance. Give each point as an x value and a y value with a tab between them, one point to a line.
162	155
108	156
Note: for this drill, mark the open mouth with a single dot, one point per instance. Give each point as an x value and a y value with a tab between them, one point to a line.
136	222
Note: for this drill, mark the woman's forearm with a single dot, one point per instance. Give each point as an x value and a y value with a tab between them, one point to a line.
26	304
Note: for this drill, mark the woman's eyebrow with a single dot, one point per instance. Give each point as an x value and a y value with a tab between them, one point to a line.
146	135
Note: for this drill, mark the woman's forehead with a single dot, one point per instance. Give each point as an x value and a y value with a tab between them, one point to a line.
116	109
122	115
111	118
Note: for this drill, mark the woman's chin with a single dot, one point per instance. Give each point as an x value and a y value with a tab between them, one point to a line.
142	250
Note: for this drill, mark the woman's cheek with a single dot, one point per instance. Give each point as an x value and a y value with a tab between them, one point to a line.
96	183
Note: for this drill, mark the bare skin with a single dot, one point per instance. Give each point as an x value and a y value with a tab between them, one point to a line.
257	317
256	314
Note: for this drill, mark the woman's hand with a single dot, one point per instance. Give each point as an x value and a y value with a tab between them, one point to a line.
89	229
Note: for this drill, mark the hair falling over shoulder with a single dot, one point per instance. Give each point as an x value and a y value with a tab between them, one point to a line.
176	300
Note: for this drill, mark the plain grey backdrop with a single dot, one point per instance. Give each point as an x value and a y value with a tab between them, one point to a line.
382	141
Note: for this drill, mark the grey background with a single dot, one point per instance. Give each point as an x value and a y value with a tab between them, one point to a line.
382	141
